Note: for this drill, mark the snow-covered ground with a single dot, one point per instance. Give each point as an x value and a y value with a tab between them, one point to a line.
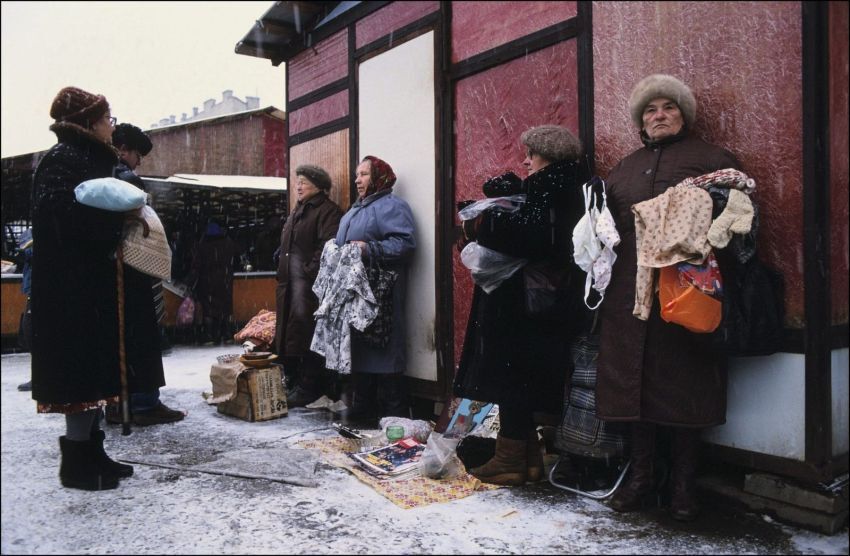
161	510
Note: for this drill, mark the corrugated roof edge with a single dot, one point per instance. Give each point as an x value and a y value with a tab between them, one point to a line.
270	110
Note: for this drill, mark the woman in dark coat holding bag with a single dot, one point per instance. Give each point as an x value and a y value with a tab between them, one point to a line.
312	223
651	372
75	345
510	357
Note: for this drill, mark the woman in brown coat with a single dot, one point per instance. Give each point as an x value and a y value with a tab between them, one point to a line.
314	221
652	372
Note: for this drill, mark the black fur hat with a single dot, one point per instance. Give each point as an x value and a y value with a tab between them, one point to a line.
132	138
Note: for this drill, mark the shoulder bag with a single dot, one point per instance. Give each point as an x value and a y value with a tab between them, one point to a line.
382	282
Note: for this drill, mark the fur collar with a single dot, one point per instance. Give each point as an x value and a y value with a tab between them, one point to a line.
68	132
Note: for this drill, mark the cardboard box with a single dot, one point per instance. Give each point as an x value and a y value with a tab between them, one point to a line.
260	395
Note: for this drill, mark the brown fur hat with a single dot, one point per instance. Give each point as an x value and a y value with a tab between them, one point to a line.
659	85
315	174
78	106
553	142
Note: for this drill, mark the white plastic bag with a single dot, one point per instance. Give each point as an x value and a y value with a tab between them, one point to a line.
511	203
439	459
489	268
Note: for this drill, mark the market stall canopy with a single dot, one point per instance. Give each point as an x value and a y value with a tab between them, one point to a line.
211	181
237	202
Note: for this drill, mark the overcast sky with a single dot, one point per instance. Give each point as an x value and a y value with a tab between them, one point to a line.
150	60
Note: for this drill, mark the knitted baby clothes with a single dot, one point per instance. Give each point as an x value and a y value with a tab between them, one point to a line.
736	218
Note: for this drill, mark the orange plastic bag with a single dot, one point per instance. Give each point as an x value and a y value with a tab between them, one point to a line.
686	305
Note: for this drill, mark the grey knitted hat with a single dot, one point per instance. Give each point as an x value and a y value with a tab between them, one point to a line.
315	174
553	142
659	85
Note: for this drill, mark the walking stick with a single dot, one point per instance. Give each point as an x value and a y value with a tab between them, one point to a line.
122	355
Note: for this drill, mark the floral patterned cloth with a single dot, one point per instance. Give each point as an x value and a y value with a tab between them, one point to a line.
345	300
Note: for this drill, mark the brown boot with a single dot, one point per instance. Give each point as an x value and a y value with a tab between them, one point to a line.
534	458
640	483
683	501
507	466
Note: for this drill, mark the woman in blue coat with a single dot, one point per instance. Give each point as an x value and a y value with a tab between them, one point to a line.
381	224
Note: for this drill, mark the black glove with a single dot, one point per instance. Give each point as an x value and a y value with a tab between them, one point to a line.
502	186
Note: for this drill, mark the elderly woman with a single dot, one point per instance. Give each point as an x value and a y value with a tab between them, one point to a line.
75	357
651	372
313	222
381	224
509	357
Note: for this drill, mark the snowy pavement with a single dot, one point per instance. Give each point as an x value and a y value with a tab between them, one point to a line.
167	511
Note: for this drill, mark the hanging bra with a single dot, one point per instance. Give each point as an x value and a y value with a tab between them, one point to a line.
594	238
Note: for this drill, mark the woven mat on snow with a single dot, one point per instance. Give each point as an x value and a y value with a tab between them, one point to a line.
405	493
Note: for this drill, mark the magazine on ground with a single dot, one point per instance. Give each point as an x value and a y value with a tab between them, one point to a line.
392	460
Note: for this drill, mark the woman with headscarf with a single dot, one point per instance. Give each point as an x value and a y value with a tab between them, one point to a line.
314	220
75	343
509	357
381	224
651	372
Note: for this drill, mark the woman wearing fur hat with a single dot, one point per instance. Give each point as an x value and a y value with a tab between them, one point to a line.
314	220
651	372
509	358
75	359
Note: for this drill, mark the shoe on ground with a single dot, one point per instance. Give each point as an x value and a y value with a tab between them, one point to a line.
300	397
357	417
25	387
113	415
159	415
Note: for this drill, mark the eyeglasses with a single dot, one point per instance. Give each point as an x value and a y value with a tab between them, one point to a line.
113	120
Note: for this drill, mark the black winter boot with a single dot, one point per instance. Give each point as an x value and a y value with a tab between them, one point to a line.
508	467
392	395
80	468
641	482
107	464
363	408
683	502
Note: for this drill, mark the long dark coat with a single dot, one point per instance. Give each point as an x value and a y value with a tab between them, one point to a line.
214	264
652	370
74	286
309	227
506	356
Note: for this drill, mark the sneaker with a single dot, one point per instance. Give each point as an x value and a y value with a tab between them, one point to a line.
25	387
157	416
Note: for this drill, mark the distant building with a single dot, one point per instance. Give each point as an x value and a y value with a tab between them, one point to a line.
244	143
229	104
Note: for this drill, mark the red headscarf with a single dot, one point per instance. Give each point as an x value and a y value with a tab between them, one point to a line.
382	175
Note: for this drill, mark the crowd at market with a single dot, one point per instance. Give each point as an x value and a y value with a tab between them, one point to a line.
617	276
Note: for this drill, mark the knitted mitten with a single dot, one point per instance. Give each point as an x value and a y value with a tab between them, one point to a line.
736	218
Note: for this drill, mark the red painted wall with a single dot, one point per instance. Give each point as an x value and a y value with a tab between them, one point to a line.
492	109
838	159
480	26
743	62
318	113
391	17
317	67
